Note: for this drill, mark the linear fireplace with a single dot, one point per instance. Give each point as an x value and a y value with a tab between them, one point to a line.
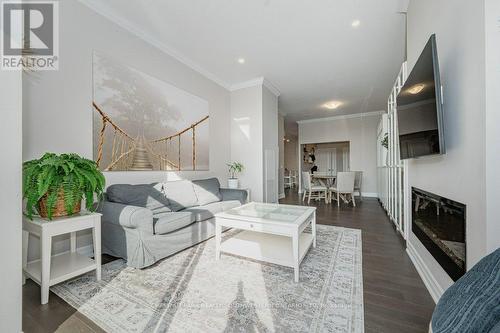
439	223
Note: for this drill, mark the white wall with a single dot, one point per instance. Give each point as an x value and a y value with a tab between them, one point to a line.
254	128
246	137
10	200
281	145
57	104
270	132
492	10
291	153
460	174
360	131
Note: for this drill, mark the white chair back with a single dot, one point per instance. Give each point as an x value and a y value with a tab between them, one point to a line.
357	179
306	180
345	182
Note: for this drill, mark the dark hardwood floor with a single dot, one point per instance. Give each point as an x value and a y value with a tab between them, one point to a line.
395	298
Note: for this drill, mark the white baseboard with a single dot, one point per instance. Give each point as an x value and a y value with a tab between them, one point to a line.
430	282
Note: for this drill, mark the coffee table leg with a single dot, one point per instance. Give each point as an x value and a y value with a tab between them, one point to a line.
295	248
218	231
313	228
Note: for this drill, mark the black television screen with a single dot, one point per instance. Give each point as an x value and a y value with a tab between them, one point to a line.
420	108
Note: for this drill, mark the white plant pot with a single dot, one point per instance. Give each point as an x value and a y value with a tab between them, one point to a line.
233	183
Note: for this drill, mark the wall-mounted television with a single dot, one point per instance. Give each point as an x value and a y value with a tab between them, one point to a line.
420	107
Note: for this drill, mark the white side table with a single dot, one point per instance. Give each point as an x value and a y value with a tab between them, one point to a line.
50	270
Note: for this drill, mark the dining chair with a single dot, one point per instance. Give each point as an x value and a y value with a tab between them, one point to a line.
287	179
315	191
357	183
344	188
293	178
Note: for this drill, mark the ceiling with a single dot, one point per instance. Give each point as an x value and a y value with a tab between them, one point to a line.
308	50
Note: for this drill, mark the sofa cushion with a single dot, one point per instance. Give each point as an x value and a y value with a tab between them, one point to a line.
180	194
169	222
143	195
202	213
207	190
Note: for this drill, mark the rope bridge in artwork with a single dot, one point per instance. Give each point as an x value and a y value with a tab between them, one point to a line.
137	154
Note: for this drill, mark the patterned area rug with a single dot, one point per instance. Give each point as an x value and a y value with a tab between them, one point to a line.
192	292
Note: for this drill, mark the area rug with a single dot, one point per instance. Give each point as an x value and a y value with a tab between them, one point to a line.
192	292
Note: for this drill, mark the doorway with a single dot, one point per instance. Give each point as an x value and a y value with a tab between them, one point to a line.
326	158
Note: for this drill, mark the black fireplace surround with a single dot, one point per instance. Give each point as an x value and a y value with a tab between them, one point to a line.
439	223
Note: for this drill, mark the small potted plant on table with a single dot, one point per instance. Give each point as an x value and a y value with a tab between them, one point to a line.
55	185
234	168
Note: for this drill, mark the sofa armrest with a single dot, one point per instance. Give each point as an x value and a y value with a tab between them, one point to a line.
234	194
127	216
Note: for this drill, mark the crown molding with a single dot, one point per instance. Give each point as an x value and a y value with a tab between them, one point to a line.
100	8
272	88
346	116
260	81
247	84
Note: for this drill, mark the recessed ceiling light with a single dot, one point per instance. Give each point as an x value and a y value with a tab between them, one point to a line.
356	23
332	105
416	88
241	60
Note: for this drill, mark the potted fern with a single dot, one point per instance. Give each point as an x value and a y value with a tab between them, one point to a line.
55	185
234	168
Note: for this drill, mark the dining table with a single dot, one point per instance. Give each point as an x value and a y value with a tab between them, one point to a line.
325	179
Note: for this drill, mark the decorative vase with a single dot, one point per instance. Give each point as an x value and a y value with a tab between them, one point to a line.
233	183
59	210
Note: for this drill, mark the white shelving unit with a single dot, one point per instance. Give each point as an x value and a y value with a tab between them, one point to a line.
392	172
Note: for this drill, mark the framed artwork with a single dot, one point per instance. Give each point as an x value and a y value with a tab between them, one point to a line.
141	123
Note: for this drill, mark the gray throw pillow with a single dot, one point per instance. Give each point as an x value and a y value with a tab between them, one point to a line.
472	303
143	195
207	190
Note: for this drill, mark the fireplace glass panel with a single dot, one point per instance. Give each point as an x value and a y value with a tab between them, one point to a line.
439	223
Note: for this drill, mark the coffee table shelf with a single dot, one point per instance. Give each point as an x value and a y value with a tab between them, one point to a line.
275	249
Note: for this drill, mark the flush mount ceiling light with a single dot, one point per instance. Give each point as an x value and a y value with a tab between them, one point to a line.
332	105
416	88
241	60
355	23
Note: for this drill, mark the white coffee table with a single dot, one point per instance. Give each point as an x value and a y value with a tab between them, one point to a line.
272	233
